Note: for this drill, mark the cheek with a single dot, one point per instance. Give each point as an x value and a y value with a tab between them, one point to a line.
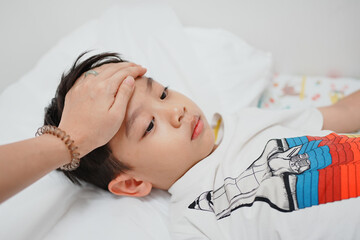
210	142
168	145
165	149
180	146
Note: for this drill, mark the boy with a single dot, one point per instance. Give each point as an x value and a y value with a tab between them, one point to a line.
241	176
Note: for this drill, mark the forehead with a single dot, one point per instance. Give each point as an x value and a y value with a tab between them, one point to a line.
144	88
145	83
141	82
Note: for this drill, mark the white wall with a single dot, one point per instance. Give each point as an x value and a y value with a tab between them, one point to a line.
306	37
29	28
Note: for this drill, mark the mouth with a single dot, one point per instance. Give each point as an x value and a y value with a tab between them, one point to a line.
196	127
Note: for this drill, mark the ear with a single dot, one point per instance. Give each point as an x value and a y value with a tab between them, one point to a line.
127	185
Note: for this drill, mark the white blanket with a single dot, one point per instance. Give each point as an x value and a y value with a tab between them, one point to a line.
213	67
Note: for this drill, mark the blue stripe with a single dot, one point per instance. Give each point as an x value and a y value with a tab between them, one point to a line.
307	189
310	146
304	139
314	188
303	148
307	183
316	144
300	191
327	156
297	141
320	158
290	142
313	160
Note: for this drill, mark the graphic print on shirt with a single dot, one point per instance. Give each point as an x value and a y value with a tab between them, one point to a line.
291	174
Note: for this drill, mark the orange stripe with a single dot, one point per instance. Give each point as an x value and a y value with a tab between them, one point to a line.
352	180
337	172
336	183
341	152
344	182
329	184
331	136
355	147
337	140
357	167
343	139
323	143
310	138
322	186
334	155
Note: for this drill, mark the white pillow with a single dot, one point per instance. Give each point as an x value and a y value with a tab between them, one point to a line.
238	72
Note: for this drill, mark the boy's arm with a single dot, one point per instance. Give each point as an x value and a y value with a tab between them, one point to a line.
343	116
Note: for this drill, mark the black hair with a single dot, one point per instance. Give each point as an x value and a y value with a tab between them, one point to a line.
99	166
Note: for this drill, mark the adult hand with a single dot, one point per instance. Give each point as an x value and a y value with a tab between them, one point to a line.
95	106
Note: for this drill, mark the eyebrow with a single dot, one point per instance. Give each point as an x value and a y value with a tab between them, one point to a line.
149	84
130	120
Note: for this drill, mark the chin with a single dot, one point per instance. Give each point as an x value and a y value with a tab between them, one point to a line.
209	140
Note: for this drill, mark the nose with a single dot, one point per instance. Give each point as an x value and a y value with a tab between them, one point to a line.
176	114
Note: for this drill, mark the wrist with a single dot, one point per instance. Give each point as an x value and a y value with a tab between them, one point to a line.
79	139
67	142
58	147
82	144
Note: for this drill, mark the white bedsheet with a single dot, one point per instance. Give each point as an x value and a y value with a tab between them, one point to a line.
213	67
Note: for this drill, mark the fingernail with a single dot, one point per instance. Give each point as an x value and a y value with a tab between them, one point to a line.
129	81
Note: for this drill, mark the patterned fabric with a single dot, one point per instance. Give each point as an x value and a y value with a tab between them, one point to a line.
335	169
288	91
291	174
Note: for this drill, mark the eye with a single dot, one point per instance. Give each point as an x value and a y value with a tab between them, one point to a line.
164	93
150	127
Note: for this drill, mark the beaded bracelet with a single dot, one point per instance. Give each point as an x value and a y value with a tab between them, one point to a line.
75	160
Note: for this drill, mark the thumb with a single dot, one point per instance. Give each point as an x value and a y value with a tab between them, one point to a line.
123	95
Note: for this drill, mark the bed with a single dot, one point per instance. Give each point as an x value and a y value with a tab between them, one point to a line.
196	61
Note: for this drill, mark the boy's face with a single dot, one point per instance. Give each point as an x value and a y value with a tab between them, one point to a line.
163	135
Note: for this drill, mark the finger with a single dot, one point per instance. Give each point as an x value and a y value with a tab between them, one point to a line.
118	77
135	71
123	96
113	82
107	70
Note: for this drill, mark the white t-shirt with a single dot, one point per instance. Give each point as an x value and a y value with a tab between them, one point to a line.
264	180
